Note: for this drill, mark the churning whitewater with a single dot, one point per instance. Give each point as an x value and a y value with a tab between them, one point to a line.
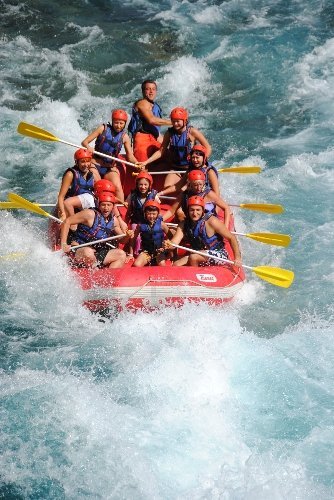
189	403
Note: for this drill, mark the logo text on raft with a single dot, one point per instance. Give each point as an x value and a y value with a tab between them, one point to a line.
206	277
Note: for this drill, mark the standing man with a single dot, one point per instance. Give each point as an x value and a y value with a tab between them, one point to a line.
145	123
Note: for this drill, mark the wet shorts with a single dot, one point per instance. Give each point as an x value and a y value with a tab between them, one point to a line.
151	258
104	168
101	253
86	200
218	253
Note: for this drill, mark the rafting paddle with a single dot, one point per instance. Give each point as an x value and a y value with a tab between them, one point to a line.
9	205
231	170
31	207
91	243
261	207
13	255
240	170
280	240
274	275
38	133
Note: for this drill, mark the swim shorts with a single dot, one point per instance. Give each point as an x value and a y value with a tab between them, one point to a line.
86	200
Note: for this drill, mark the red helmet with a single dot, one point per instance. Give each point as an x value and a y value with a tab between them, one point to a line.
201	149
82	153
145	175
151	204
196	175
119	114
104	196
104	185
179	114
196	200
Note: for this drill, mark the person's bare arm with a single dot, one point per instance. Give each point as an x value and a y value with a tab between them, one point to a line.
197	136
166	230
175	187
65	185
219	227
129	209
83	217
128	149
211	196
158	154
95	173
145	110
133	241
177	238
172	209
213	181
93	135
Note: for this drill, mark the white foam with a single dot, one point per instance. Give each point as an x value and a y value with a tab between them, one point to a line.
175	404
314	79
187	78
209	15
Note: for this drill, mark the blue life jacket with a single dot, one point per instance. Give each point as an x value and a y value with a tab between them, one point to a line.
100	229
136	205
205	169
139	124
109	142
197	235
209	207
151	237
80	184
180	146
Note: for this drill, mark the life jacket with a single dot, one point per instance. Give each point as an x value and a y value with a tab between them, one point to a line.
180	146
139	124
109	142
80	184
100	229
136	205
151	237
197	235
205	169
209	207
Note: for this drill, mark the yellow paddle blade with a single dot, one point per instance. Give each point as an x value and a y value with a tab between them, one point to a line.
35	132
12	256
275	275
241	170
8	205
26	205
280	240
263	207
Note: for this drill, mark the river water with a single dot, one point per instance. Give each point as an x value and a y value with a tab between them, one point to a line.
193	403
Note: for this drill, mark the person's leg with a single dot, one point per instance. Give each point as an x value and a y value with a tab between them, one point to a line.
72	203
114	177
85	256
142	260
115	259
196	260
171	179
161	259
182	261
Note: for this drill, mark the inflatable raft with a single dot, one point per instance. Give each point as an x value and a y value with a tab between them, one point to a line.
151	287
